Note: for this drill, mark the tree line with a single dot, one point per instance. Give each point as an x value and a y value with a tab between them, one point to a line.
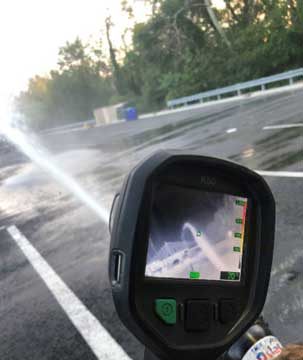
183	48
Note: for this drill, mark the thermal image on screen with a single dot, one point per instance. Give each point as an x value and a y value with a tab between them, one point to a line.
196	234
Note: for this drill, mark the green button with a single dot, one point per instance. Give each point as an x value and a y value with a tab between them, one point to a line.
166	309
194	275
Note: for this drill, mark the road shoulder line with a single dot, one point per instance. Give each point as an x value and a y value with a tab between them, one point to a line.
96	336
282	126
290	174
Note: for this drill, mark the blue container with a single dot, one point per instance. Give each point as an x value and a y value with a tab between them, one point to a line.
131	114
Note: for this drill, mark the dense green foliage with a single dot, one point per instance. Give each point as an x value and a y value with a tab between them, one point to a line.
178	51
71	93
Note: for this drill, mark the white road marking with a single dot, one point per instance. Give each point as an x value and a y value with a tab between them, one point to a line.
291	174
282	126
232	130
96	336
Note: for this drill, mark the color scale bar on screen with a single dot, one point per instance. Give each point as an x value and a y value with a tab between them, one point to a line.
243	225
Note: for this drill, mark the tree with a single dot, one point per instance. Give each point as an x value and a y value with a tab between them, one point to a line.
117	74
33	103
72	92
159	64
178	51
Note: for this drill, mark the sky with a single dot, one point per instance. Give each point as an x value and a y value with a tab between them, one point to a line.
31	32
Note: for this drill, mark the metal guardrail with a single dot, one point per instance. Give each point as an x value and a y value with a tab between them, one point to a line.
237	88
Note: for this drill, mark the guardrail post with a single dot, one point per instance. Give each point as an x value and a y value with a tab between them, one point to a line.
291	81
239	92
219	97
263	87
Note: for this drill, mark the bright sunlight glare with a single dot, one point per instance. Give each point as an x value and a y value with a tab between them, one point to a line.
32	31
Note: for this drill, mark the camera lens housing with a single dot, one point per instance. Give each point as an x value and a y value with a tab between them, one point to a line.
168	267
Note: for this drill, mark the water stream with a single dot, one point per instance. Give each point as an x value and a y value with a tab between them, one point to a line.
33	150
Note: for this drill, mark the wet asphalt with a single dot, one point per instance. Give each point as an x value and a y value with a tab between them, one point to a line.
74	241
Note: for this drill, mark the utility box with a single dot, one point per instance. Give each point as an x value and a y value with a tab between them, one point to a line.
115	113
107	114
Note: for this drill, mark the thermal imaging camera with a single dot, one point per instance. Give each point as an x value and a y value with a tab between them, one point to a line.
191	251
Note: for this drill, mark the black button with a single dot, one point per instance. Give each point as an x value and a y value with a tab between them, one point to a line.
198	315
227	311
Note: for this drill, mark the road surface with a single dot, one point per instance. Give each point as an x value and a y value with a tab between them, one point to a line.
55	298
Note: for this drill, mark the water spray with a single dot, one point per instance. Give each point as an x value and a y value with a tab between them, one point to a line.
30	147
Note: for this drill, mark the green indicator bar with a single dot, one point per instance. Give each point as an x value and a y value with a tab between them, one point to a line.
239	221
240	202
194	275
237	249
238	235
230	275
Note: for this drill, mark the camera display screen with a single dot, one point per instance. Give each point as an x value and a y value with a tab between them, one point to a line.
196	234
